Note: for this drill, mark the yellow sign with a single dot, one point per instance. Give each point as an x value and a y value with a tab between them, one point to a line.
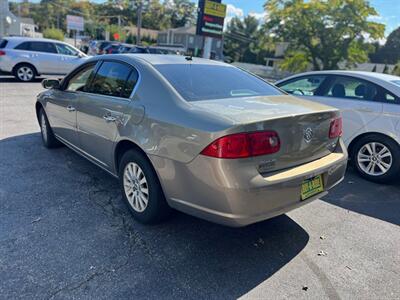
215	9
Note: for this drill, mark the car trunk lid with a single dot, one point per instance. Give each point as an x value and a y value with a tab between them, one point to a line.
303	127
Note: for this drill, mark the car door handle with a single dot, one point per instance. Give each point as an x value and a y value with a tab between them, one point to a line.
70	108
109	118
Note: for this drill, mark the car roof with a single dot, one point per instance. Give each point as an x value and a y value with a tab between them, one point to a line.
24	38
165	59
385	80
354	73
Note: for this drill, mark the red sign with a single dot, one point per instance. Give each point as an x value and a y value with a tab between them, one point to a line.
116	36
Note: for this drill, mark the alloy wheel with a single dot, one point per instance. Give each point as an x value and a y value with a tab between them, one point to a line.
136	187
25	73
375	159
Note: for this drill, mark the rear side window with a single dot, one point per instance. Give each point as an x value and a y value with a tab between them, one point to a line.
23	46
352	88
3	44
130	84
110	79
195	82
45	47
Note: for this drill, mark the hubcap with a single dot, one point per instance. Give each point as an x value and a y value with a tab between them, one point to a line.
25	73
43	127
375	159
136	187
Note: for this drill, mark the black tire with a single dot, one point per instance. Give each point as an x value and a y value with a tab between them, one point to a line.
393	172
48	138
157	208
28	69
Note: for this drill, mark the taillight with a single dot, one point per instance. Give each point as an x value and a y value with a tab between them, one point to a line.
242	145
2	53
336	128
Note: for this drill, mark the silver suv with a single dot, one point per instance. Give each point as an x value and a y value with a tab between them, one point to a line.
26	58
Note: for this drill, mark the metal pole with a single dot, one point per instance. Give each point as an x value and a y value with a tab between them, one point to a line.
139	22
207	47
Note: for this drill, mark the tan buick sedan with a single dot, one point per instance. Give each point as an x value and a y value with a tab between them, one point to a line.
199	136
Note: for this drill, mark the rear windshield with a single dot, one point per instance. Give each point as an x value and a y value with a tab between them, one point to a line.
3	43
205	82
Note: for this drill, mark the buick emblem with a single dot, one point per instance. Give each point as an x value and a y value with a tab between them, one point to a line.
308	134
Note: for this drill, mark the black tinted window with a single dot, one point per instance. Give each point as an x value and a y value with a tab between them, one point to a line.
3	43
130	84
23	46
110	79
38	47
81	80
205	82
352	88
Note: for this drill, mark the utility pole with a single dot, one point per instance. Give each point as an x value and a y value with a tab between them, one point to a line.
139	22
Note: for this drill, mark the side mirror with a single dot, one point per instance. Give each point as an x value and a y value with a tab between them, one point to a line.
51	83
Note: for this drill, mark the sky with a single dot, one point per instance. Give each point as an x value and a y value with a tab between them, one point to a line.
388	10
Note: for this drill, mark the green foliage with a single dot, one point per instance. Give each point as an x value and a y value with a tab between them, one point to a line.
53	33
245	42
156	14
390	52
386	69
396	70
326	32
295	61
115	29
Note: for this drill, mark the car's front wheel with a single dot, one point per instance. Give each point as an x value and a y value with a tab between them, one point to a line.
25	72
141	188
377	158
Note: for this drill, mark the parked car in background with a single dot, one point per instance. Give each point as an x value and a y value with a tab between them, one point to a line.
97	47
227	147
125	48
26	58
153	50
370	106
112	48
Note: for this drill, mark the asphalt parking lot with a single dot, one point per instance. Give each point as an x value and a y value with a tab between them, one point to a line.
65	233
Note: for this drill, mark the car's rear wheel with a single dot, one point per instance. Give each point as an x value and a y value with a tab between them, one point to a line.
48	138
377	158
141	188
25	72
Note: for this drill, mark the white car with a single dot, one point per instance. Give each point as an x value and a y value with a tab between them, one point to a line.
370	107
26	58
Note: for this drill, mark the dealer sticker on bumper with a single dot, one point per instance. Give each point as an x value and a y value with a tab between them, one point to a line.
311	187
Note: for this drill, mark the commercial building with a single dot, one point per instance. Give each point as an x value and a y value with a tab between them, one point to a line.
13	25
186	38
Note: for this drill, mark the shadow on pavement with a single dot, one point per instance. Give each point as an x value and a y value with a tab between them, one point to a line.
64	224
375	200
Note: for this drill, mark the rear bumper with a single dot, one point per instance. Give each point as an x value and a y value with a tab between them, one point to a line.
218	191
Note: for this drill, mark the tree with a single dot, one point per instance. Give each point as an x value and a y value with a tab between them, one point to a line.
324	32
390	52
386	70
182	12
396	70
245	42
53	33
